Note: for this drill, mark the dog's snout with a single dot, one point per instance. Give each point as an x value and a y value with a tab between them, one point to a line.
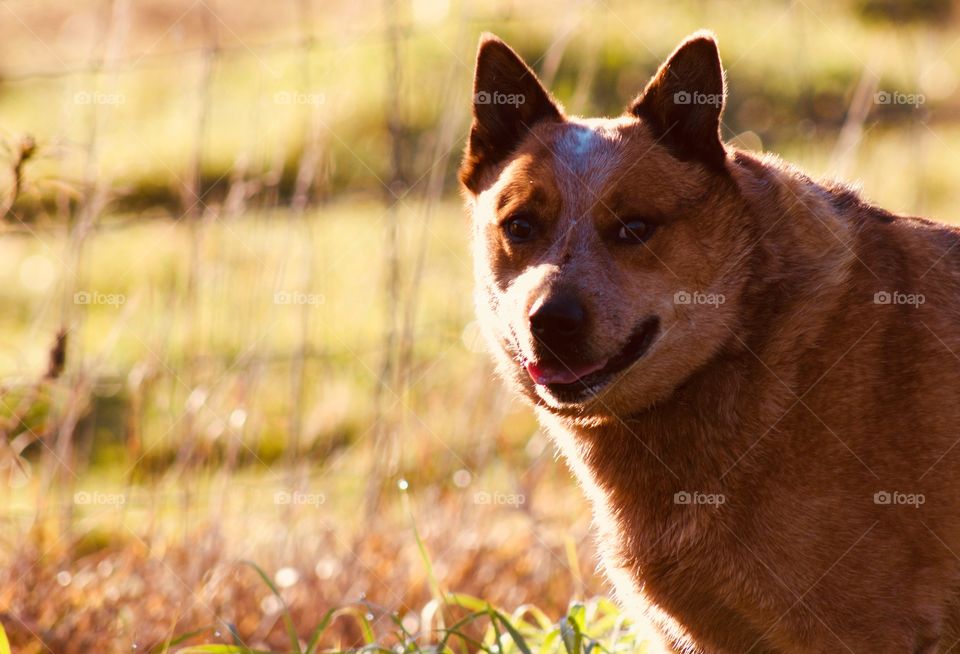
558	320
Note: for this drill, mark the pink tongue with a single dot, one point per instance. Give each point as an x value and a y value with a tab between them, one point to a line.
559	374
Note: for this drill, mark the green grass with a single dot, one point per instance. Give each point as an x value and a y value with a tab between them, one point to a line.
594	626
234	323
789	66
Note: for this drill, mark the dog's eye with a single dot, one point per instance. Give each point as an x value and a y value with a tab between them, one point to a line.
634	231
519	229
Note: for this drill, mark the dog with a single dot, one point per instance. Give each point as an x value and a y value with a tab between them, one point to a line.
753	375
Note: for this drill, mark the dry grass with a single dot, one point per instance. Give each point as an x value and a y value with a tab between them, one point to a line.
114	588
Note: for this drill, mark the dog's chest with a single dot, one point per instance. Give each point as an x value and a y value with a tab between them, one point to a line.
682	564
666	544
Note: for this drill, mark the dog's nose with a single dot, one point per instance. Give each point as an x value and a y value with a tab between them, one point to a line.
557	320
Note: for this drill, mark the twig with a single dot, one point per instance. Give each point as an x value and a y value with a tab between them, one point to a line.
384	457
25	150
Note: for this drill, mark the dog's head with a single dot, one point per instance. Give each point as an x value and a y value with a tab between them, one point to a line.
605	249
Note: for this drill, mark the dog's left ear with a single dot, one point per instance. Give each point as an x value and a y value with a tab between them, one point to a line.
508	100
684	100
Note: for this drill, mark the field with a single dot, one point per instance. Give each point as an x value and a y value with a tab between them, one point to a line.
240	381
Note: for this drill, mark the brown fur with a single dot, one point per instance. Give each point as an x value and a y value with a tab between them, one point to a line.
796	400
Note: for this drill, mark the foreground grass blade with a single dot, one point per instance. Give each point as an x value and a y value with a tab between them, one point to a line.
468	602
454	630
546	647
287	618
4	643
512	630
481	608
497	638
361	615
570	633
544	623
314	641
424	555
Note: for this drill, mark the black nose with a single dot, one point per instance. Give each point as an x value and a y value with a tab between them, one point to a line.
557	320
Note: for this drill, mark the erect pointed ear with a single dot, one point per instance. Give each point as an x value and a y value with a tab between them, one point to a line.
508	100
684	100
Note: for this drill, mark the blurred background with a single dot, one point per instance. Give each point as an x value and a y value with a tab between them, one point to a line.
236	315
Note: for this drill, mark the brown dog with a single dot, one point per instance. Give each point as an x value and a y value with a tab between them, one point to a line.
753	375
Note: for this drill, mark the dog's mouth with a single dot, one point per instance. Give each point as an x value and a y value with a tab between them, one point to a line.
571	383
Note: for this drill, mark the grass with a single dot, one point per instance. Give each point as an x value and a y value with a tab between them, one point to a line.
252	295
265	86
450	622
596	626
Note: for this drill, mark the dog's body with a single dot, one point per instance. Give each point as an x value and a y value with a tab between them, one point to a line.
819	401
754	376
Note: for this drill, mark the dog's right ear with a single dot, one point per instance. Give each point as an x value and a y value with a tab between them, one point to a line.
508	100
